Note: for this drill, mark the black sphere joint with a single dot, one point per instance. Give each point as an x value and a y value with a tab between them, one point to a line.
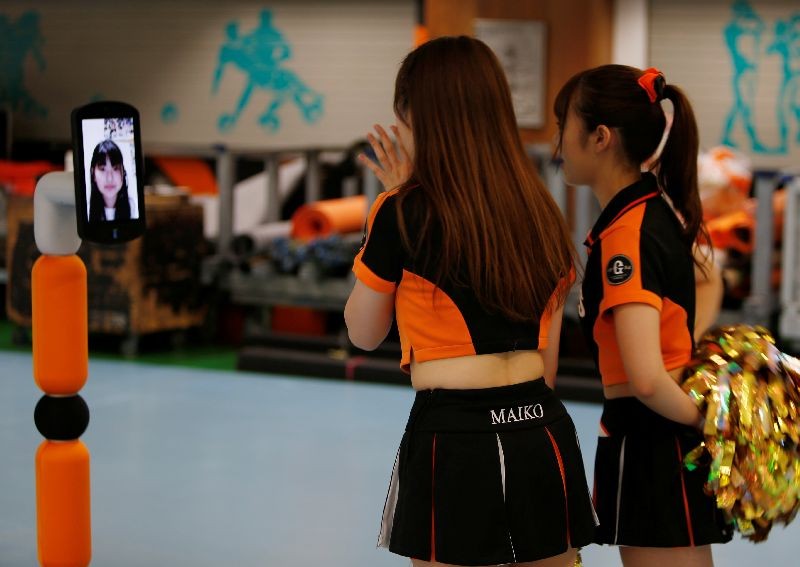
61	418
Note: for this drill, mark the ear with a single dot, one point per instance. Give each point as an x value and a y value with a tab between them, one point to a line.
602	138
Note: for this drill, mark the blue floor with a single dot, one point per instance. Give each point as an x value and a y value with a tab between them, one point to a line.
206	468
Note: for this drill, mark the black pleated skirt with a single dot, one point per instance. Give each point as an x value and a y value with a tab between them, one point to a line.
486	477
644	495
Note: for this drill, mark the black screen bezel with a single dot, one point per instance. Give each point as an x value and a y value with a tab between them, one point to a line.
108	231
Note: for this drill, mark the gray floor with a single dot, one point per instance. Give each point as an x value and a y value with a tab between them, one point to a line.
201	468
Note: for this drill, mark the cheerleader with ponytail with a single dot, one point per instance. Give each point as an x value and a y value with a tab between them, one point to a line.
638	309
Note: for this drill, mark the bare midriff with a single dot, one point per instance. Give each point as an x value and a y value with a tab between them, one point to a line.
624	390
479	371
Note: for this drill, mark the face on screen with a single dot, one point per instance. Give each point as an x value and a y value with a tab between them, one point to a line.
110	171
108	166
108	179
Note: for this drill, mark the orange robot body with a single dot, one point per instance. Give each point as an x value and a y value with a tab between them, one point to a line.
60	369
63	504
60	324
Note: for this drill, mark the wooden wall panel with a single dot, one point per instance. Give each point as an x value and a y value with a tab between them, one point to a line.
450	17
579	36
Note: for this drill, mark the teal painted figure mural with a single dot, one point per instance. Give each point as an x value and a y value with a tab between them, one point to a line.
18	40
743	38
787	46
260	55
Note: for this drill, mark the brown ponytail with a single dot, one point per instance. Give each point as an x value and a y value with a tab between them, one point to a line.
677	165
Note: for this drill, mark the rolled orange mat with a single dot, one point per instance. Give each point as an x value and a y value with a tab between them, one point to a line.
63	508
60	324
332	216
195	174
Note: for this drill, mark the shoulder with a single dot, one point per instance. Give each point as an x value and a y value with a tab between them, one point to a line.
384	207
386	199
410	203
636	233
392	206
661	222
653	217
624	230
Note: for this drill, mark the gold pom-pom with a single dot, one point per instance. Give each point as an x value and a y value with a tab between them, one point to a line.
749	392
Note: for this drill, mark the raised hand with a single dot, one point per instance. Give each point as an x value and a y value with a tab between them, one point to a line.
394	165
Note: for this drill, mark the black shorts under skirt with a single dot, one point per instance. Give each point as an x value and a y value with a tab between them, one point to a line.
644	496
486	477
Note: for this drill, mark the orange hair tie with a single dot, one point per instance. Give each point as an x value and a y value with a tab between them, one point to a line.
652	81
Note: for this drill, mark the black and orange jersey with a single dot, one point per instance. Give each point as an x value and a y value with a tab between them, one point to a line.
637	254
433	322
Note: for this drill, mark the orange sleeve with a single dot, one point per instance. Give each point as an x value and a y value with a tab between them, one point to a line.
631	272
379	263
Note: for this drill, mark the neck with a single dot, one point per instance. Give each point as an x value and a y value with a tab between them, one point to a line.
613	179
109	201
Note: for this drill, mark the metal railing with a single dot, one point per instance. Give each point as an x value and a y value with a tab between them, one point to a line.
789	321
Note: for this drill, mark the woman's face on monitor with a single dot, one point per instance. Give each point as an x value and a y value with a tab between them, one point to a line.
108	178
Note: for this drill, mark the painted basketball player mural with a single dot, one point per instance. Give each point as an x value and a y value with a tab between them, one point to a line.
261	55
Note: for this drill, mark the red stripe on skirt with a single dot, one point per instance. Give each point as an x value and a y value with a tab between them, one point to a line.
685	499
563	477
433	511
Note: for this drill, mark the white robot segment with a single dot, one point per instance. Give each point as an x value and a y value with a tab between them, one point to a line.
54	222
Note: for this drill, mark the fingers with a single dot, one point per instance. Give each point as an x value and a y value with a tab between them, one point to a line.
394	164
388	144
383	148
377	149
374	168
404	156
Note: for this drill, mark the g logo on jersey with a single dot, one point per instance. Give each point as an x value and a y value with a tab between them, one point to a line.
619	269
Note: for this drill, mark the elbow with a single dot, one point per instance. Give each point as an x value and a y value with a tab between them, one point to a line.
360	337
365	336
642	387
367	329
363	342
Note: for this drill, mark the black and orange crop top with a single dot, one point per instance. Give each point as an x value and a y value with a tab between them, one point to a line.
445	324
637	254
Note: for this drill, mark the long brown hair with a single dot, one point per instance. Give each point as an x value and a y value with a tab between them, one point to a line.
611	95
502	233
